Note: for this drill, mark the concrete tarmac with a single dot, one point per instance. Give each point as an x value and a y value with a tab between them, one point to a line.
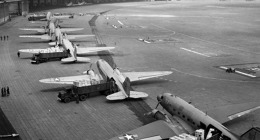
191	39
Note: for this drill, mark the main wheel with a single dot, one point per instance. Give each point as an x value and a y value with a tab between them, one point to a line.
66	100
82	97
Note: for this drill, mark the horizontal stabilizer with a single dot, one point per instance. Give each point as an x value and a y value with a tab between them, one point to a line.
40	30
120	96
68	60
53	43
231	112
69	37
44	37
116	96
83	59
70	29
137	94
92	49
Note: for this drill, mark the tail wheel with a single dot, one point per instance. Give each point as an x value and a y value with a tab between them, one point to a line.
82	97
66	100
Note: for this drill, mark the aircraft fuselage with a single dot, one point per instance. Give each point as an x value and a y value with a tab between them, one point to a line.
193	116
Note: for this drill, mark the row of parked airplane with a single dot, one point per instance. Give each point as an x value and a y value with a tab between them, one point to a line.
185	118
53	32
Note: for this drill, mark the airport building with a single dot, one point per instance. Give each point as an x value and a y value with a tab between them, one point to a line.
9	8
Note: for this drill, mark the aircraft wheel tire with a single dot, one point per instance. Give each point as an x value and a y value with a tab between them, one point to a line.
66	100
82	97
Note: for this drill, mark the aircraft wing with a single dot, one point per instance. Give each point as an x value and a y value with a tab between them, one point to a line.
40	30
230	112
33	51
136	76
65	80
92	49
116	96
44	37
69	37
153	131
70	29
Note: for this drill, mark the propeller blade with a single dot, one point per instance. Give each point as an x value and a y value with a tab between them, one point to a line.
157	105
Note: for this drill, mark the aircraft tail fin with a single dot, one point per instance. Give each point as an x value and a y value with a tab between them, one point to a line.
48	16
127	86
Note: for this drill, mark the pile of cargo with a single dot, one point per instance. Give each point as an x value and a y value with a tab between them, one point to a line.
93	80
199	135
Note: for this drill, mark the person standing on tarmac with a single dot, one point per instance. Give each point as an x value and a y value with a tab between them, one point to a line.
77	98
2	92
7	91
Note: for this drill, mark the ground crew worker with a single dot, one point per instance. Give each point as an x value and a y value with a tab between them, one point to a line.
18	54
4	92
4	37
7	91
7	37
1	38
77	98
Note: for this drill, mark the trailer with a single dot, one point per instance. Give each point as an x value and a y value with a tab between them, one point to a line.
84	90
44	57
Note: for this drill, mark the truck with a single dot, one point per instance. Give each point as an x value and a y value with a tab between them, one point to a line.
44	57
81	91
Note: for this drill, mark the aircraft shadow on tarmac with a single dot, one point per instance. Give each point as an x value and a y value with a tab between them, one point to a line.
148	82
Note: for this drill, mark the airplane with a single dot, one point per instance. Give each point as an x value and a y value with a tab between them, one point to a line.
122	80
48	16
78	4
51	27
56	34
72	49
186	119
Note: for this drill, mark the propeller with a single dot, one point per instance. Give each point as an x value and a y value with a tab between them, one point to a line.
157	105
90	68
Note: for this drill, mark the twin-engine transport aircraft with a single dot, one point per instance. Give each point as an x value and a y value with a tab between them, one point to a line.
122	80
188	118
71	48
56	35
51	27
48	16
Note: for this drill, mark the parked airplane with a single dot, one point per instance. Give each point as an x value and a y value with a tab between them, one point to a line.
78	4
72	50
122	80
188	118
51	27
48	16
57	35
